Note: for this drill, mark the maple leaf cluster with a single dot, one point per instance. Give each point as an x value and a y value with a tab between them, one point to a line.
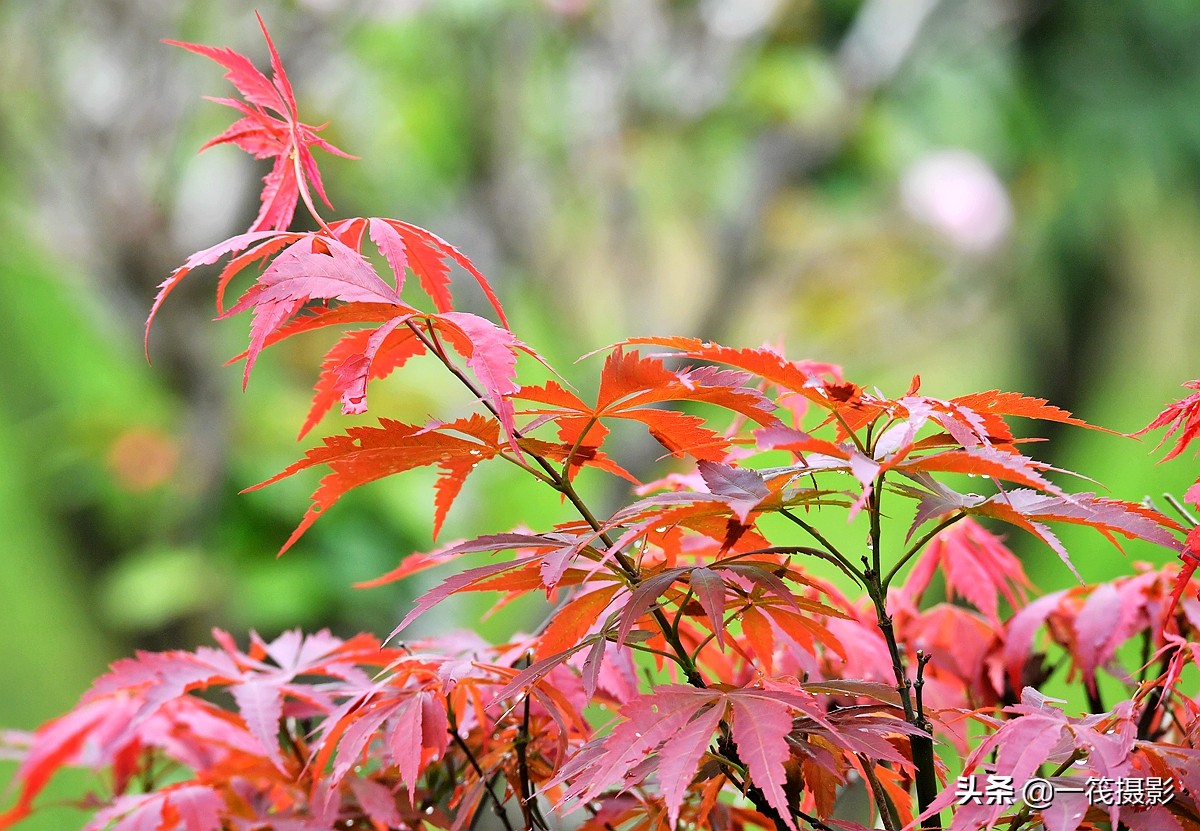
695	670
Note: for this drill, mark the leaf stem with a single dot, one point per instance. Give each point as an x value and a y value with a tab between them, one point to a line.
850	433
566	468
497	805
687	597
1183	512
917	546
887	809
922	746
1022	815
534	821
306	196
835	556
711	636
1156	696
843	566
641	647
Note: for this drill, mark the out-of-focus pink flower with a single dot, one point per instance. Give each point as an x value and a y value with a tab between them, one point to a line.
568	8
959	196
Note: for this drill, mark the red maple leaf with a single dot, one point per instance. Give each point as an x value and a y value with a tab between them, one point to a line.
1191	559
632	387
976	566
670	729
270	127
1182	417
314	267
1029	510
366	454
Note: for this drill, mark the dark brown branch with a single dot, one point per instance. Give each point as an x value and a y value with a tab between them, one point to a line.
497	805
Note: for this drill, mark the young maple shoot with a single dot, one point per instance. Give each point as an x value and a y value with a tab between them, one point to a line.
747	691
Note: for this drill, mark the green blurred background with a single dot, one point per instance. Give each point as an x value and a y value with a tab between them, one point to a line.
992	194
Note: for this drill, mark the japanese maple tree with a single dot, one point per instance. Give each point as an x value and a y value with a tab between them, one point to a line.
741	689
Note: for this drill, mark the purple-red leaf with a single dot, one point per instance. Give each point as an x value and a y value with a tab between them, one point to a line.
710	591
976	565
261	705
743	489
760	729
391	245
1182	420
207	257
491	353
311	268
281	136
681	756
376	801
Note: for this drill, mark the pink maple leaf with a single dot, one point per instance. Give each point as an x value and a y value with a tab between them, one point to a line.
270	127
1182	420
